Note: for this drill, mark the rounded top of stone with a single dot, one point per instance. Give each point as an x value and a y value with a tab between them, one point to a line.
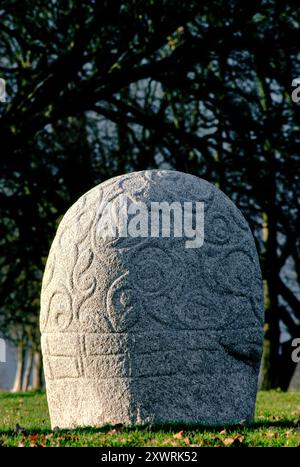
95	282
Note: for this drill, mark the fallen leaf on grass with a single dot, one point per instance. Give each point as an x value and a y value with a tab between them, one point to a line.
166	441
116	429
236	441
228	441
37	441
271	434
178	435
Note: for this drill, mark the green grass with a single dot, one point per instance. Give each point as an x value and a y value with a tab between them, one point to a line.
24	421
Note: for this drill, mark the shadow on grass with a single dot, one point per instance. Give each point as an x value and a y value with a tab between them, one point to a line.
166	428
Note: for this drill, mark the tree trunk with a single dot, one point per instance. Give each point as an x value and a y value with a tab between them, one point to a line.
28	369
37	376
287	365
271	357
20	366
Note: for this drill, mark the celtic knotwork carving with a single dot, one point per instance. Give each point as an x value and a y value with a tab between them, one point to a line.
59	314
233	271
180	187
150	257
78	229
133	186
83	274
123	304
107	214
199	310
217	229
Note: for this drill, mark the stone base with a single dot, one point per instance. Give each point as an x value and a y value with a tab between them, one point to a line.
165	399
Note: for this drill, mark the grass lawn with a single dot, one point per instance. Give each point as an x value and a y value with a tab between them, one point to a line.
24	421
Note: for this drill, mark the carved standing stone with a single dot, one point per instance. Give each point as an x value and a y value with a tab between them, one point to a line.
138	330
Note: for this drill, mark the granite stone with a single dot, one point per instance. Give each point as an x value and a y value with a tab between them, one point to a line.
143	329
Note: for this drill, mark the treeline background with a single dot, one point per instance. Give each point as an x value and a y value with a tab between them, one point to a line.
100	88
